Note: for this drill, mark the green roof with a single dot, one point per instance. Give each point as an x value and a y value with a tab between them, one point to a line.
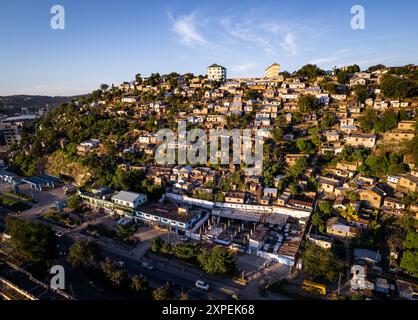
215	66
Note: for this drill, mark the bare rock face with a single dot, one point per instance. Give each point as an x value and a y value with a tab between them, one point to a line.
59	164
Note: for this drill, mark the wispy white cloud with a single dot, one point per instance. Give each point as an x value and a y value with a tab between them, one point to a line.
342	51
272	37
324	60
289	43
243	68
186	29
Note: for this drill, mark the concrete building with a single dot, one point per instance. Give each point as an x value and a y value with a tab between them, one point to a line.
272	72
129	199
216	73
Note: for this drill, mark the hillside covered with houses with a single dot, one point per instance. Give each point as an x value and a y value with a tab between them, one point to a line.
340	162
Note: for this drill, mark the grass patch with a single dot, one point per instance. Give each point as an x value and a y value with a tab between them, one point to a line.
13	204
21	196
102	230
62	218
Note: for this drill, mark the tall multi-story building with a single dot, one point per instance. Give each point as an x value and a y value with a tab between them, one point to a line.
273	71
216	73
10	128
9	133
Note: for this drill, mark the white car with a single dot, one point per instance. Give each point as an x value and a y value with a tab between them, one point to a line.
59	234
147	265
120	264
202	285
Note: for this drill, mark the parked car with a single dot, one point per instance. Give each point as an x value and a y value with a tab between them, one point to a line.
202	285
147	265
59	234
120	263
267	264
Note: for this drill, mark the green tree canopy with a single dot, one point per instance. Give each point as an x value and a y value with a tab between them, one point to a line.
84	253
308	103
139	284
74	201
35	242
217	261
163	293
321	262
398	88
310	71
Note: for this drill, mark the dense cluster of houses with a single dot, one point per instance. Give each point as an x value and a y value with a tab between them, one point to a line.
254	216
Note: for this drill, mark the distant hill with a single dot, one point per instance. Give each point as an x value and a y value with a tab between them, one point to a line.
11	105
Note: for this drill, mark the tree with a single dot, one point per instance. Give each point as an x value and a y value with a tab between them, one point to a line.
187	251
127	180
325	207
84	253
398	88
277	134
369	119
166	248
321	262
252	95
156	244
387	163
116	276
409	262
35	242
343	77
299	167
162	293
139	284
153	80
138	78
74	201
387	121
329	87
301	144
305	146
126	232
308	103
376	67
217	261
361	92
310	71
318	221
104	86
327	120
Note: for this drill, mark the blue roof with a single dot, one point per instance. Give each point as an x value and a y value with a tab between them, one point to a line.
40	180
49	178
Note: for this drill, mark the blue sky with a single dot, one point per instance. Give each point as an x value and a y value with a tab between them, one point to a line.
110	41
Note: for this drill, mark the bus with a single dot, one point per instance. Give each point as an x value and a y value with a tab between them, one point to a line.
313	287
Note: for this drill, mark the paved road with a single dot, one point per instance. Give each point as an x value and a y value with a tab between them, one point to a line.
181	281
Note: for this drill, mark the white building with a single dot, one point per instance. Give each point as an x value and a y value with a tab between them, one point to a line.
129	199
216	73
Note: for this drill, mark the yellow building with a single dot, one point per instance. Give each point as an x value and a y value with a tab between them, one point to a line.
273	71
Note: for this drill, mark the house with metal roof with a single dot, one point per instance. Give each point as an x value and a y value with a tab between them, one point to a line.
129	199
